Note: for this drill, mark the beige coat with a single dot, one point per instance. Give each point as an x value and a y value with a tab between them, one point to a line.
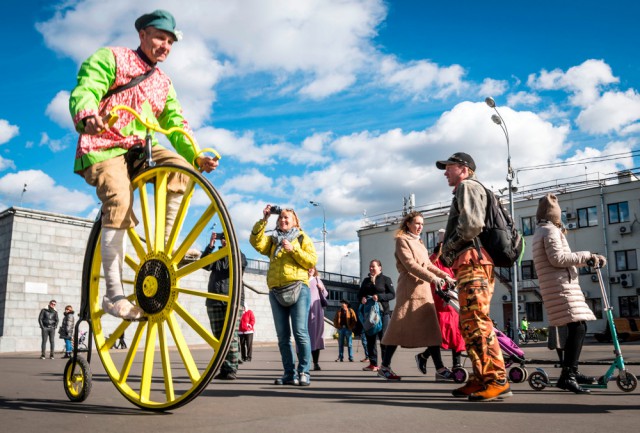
414	322
558	277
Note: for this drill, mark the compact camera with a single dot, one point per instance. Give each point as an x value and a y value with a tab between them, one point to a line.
275	210
220	236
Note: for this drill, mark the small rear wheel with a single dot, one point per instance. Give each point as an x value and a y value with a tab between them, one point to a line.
517	374
538	380
626	381
77	379
460	375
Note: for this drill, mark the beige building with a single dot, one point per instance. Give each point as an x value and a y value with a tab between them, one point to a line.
600	215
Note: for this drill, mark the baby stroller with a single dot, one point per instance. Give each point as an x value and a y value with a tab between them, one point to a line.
511	353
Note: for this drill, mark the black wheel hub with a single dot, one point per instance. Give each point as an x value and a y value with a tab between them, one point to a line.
153	286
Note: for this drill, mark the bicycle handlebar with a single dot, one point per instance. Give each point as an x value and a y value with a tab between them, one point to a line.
113	118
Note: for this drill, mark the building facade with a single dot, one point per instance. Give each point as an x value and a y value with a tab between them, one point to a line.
601	216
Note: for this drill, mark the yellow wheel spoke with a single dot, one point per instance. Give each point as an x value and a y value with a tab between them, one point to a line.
197	229
131	354
181	215
160	195
147	364
206	295
166	364
138	246
203	262
146	217
183	349
205	333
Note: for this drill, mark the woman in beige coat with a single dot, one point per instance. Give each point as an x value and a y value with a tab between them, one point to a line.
561	294
414	322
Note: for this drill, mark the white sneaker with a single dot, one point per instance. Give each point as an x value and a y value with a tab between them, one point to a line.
122	308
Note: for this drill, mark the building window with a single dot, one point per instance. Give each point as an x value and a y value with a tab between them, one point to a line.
588	216
618	212
628	306
431	240
528	226
527	270
596	306
335	295
505	273
626	260
534	311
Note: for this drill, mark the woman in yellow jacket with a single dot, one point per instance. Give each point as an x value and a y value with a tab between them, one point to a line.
291	254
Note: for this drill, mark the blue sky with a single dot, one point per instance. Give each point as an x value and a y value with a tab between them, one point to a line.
345	102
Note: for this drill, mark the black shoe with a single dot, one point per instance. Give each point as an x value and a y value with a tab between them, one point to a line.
316	367
585	380
226	375
421	363
567	381
240	361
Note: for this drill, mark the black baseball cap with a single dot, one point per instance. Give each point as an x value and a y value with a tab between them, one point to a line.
458	158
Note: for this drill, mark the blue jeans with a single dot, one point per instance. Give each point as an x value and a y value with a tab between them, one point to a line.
68	347
285	318
344	334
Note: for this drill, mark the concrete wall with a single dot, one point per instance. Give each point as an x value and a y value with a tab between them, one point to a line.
41	256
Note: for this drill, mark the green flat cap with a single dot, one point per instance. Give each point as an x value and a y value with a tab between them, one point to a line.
161	20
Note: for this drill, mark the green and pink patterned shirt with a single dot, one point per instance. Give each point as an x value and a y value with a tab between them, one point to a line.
154	98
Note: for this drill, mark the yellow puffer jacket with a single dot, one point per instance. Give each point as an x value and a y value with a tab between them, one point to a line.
287	267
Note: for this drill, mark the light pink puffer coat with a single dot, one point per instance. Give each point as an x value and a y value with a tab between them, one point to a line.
558	276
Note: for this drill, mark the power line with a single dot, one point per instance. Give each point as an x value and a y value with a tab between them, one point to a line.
589	160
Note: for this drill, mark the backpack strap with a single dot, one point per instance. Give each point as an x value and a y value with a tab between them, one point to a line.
134	82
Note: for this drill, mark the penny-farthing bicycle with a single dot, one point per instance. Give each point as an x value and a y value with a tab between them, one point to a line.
173	353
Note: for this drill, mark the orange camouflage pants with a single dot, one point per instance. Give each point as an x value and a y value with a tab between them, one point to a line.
475	289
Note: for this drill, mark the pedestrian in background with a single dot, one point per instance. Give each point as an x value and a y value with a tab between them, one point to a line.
379	287
345	322
316	316
245	332
66	330
48	320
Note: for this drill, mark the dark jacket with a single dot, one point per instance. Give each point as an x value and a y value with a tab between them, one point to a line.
383	288
48	318
219	277
66	329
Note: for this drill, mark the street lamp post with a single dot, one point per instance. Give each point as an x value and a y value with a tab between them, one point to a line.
498	120
324	235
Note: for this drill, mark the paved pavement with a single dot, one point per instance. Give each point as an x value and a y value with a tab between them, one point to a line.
341	398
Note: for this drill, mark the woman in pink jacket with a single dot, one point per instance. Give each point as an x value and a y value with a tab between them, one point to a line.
562	297
245	332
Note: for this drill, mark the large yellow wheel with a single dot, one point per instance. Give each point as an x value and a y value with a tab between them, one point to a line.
172	354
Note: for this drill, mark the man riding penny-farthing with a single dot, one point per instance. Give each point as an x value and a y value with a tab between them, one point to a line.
153	293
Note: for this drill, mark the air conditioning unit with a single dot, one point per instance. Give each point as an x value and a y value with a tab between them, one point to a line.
624	229
521	298
594	278
626	280
506	298
572	226
614	280
570	215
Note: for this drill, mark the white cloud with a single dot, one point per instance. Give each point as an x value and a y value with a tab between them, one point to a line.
242	148
43	193
584	81
491	87
251	181
6	164
55	145
58	110
422	79
612	112
522	98
7	131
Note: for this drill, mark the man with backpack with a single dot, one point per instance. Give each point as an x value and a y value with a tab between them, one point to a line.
473	268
